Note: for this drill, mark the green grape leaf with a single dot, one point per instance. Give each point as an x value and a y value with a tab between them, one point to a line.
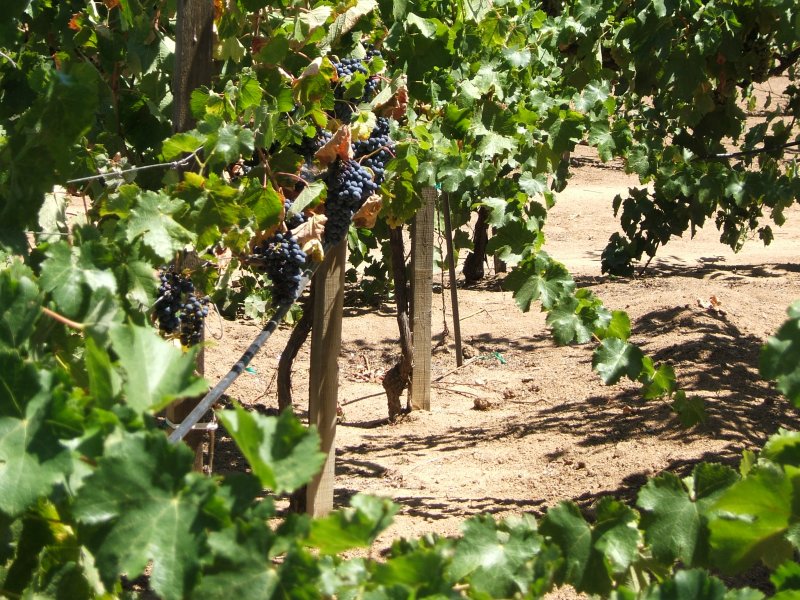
783	448
618	327
156	372
786	577
151	219
144	505
615	358
565	129
595	557
675	514
32	460
751	519
283	454
182	143
104	381
537	278
780	357
691	410
20	304
66	271
565	526
489	556
353	527
567	324
616	538
693	584
232	141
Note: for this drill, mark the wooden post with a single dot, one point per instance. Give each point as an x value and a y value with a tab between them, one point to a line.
194	45
193	68
326	341
451	265
422	293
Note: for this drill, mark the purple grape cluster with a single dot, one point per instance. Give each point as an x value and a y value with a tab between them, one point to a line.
376	151
193	317
349	185
292	221
283	261
178	308
350	66
311	145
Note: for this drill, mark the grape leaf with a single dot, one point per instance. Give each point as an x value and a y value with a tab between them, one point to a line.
144	504
780	356
66	271
156	373
151	219
283	454
615	358
354	527
539	277
489	556
595	557
674	515
567	325
20	301
751	519
32	460
693	584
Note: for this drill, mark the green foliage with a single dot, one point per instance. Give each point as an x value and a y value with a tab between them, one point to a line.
488	100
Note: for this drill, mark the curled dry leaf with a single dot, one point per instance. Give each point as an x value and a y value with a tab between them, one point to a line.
368	213
396	107
339	146
309	236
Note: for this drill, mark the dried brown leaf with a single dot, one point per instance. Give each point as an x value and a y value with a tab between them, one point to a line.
339	146
368	213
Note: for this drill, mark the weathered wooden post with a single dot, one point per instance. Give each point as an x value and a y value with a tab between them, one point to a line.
193	68
421	306
326	341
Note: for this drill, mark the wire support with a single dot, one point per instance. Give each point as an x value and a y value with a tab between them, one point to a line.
112	175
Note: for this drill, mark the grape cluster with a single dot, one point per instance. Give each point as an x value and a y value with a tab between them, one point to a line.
193	317
283	261
349	185
376	151
349	66
294	220
311	145
178	308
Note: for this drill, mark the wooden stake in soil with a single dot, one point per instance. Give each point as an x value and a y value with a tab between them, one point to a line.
194	38
422	304
451	265
194	43
326	341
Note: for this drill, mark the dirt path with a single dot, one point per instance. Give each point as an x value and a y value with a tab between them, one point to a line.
554	431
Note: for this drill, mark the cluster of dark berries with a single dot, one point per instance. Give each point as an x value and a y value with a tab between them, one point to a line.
349	66
349	185
311	145
283	261
193	317
376	151
178	308
292	221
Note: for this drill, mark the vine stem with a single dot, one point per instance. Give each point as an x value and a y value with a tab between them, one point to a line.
62	319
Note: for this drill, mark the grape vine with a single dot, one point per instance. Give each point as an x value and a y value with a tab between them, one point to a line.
485	100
